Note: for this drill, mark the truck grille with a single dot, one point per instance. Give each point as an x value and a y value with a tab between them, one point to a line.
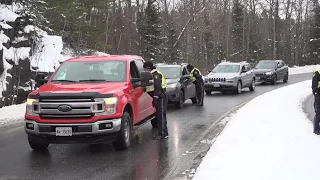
68	108
217	79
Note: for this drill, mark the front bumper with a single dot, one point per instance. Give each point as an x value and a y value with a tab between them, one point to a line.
173	94
265	78
81	132
219	86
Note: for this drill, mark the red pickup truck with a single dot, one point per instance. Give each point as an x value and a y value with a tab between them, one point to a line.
90	100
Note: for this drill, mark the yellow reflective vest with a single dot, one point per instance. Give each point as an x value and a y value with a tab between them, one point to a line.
163	82
314	73
192	78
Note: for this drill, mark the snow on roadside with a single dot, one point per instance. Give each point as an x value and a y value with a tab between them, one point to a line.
303	69
269	138
12	114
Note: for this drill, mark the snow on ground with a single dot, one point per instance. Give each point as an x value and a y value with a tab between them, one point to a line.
303	69
269	138
12	114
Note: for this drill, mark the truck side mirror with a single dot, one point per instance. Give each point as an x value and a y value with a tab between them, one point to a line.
146	79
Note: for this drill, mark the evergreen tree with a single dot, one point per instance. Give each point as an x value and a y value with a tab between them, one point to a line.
237	26
315	35
151	32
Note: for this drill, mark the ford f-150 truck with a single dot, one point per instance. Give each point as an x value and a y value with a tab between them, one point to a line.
90	100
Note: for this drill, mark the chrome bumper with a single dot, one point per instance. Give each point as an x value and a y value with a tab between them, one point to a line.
78	128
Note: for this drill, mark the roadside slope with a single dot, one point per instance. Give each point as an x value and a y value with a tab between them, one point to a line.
269	138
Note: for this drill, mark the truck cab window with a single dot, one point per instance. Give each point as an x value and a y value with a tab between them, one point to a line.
134	73
139	64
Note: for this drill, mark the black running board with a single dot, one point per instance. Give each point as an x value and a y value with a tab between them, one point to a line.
141	123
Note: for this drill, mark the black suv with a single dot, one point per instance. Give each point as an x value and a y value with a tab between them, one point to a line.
180	88
271	71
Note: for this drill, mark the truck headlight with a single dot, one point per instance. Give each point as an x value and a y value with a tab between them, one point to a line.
269	73
32	107
109	106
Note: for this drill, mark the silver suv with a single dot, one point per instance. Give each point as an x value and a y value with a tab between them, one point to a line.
230	76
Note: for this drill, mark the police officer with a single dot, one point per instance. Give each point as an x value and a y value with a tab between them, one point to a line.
196	78
316	91
160	99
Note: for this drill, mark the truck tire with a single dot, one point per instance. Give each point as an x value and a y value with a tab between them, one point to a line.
154	122
38	146
124	136
208	92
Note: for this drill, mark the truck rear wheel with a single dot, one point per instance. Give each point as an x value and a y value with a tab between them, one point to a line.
38	146
124	136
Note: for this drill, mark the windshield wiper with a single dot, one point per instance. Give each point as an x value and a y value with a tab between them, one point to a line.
93	80
63	80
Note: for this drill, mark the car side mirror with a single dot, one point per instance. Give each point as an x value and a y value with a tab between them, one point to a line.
40	79
146	79
243	71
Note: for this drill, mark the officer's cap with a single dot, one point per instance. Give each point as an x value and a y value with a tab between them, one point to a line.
149	65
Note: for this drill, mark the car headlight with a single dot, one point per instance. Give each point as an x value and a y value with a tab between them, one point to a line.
109	106
32	107
269	73
231	78
172	86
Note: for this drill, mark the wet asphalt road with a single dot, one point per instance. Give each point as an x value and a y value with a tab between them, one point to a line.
146	159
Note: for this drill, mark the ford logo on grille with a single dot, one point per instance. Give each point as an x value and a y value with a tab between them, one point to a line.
64	108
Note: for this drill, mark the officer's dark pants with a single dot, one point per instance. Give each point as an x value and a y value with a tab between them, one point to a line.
161	115
200	92
317	115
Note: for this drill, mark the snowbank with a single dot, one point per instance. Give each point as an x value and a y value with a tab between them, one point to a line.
48	54
303	69
12	114
277	143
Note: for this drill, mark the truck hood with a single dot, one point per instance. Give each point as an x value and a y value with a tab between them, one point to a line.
222	75
83	87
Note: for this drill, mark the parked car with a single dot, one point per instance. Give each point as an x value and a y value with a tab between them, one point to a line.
90	100
180	88
271	71
230	76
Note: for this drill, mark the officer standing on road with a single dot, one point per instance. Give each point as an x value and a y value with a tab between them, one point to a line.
160	99
316	91
196	78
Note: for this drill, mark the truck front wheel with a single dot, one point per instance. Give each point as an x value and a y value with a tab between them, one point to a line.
123	140
38	146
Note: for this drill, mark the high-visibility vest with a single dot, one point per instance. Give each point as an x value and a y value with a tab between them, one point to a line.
314	73
192	78
163	82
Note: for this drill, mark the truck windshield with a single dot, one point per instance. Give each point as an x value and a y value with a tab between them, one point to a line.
170	72
104	71
226	68
266	65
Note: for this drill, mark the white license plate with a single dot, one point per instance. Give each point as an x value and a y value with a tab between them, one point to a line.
216	85
63	131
